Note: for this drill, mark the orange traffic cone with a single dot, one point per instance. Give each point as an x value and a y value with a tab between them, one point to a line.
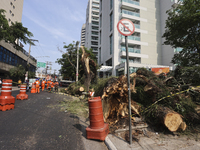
97	129
7	101
33	89
22	95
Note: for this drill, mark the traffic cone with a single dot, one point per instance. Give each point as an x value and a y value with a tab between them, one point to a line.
7	101
33	89
97	129
22	95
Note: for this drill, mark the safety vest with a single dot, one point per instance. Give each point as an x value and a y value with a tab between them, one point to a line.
37	84
43	83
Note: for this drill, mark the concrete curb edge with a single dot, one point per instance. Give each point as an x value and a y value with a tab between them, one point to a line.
109	144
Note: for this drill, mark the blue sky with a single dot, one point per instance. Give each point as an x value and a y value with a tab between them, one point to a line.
53	22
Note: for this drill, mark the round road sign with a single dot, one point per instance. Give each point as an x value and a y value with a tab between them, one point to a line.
125	27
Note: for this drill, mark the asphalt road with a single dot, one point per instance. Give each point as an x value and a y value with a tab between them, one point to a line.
33	125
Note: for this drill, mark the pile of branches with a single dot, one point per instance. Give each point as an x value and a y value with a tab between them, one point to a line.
159	99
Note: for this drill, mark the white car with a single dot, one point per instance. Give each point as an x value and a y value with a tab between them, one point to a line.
32	80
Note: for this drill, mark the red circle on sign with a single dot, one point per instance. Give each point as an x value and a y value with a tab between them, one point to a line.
120	22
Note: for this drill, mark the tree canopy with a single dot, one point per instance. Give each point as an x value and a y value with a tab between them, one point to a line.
69	60
14	31
183	31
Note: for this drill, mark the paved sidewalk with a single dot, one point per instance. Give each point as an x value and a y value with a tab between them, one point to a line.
155	142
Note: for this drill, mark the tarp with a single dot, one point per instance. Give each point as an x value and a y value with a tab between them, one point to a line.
158	71
105	68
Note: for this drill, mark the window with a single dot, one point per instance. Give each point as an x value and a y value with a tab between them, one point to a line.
100	38
111	45
101	5
111	21
99	55
111	4
100	20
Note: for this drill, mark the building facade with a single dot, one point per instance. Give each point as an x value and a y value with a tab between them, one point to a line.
145	45
83	35
92	26
9	56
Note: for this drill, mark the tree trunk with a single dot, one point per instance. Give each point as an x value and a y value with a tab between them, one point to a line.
171	119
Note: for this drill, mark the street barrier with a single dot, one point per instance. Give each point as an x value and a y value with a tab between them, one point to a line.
97	129
33	89
22	94
7	101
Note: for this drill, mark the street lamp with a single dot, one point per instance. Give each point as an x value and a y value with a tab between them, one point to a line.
26	75
77	43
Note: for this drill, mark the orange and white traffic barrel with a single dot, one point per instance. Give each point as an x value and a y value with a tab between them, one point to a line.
97	129
33	89
7	101
22	94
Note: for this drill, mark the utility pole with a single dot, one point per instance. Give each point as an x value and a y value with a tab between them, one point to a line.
77	63
29	53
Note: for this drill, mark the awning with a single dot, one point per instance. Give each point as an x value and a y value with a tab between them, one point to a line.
105	68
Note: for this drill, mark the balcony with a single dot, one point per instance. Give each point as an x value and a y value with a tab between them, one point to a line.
131	13
132	55
96	1
133	42
131	50
135	38
95	9
132	2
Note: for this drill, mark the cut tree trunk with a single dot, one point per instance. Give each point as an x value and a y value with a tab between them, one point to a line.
171	119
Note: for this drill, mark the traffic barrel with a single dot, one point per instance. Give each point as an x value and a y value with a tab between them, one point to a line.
97	129
33	89
22	94
7	101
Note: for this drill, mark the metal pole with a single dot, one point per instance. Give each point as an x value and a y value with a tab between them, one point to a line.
129	92
77	63
26	77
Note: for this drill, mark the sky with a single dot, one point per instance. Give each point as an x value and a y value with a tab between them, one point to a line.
53	22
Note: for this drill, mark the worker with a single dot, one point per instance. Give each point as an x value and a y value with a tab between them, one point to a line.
37	86
51	86
56	86
43	84
48	84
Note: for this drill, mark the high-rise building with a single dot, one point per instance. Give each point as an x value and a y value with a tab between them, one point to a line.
92	26
83	35
145	45
13	9
9	56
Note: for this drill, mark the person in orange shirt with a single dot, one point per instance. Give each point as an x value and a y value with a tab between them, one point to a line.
43	84
56	84
37	86
52	85
48	84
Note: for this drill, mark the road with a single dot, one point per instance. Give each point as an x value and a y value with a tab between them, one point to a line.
34	125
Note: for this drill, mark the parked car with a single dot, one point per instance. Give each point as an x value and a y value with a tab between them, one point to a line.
32	80
65	83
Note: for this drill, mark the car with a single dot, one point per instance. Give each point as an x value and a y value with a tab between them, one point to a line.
32	80
65	83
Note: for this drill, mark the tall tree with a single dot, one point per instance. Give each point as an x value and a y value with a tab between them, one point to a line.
69	60
17	72
14	31
183	30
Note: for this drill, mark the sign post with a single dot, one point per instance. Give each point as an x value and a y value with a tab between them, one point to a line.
41	64
126	28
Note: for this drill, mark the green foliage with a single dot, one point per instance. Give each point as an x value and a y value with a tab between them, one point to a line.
17	72
182	30
69	60
14	31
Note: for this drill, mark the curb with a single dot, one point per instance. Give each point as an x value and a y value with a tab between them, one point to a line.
109	144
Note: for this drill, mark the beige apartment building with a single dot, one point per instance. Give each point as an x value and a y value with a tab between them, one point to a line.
145	45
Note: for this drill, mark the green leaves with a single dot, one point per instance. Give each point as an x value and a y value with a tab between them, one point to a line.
183	30
14	31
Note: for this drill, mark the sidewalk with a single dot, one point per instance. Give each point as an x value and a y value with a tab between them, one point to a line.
155	142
